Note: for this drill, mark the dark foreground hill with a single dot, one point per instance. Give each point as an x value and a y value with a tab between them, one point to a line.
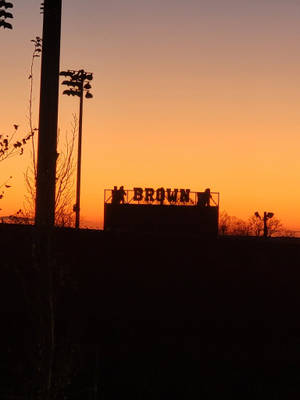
154	317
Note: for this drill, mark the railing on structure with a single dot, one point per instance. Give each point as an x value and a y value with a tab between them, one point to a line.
178	197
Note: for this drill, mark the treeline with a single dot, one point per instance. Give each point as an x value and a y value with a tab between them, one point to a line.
253	226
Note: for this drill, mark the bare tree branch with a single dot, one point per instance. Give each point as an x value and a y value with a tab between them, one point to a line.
64	182
10	146
36	53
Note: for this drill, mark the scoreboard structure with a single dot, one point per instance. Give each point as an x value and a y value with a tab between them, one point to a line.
161	211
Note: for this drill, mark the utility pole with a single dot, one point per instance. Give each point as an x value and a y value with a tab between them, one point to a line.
47	154
43	250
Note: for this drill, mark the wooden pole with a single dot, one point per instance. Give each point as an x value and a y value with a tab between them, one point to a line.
47	154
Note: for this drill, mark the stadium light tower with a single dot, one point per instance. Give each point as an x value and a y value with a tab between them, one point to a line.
267	215
78	85
47	153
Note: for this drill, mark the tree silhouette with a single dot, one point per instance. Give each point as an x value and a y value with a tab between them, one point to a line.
224	223
36	54
254	226
3	187
64	182
11	146
275	227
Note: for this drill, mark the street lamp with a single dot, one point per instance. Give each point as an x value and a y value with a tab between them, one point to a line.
267	215
4	5
78	85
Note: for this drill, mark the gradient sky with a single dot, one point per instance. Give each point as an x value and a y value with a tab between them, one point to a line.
189	94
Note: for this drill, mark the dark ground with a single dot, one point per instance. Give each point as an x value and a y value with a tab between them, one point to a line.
157	317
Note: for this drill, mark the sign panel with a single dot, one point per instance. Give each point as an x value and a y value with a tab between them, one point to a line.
161	196
161	210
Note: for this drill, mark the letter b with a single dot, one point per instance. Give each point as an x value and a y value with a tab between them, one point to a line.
138	194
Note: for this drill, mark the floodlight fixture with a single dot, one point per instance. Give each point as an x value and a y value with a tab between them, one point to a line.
5	14
266	217
4	5
71	92
66	73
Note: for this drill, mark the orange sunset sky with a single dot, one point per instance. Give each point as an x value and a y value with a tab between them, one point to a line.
187	94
